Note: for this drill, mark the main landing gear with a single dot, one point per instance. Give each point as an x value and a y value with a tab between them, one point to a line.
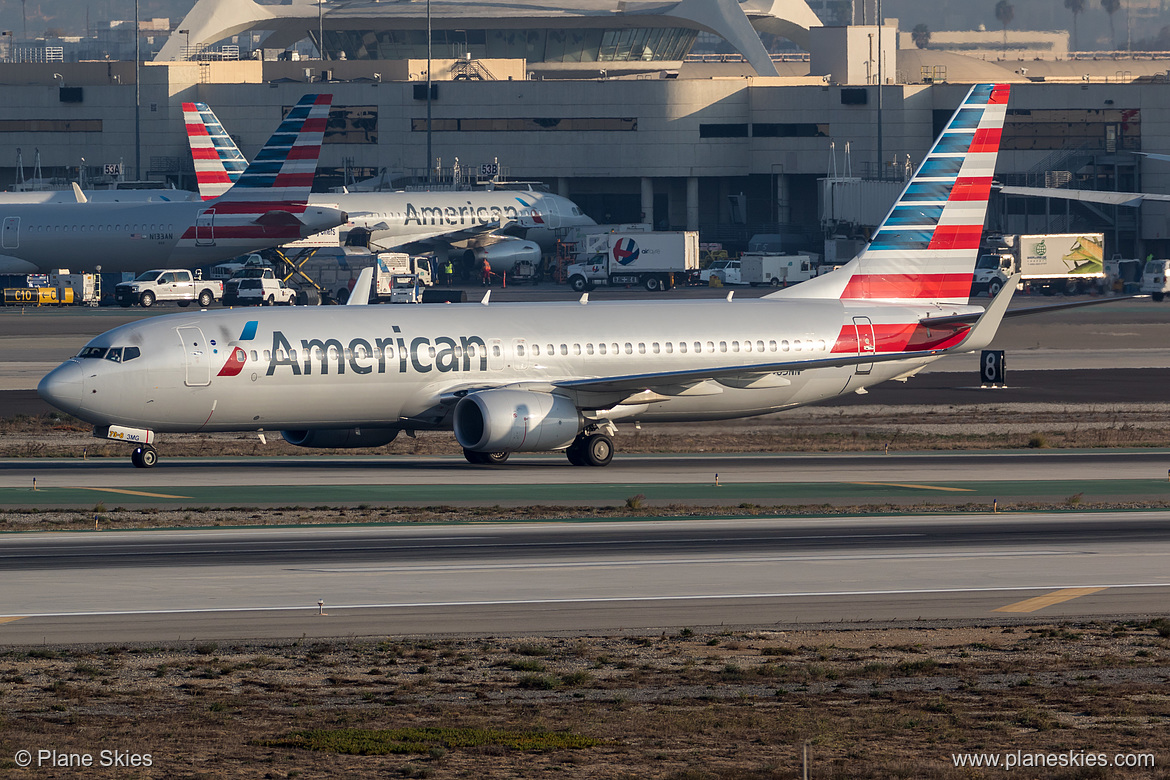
590	449
486	458
144	457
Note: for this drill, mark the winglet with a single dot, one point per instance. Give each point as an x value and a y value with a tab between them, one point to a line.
486	296
984	330
360	294
77	193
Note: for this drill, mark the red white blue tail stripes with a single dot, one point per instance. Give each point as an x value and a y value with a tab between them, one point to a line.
218	161
283	170
925	250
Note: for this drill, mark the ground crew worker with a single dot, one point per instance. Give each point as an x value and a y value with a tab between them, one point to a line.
448	272
487	273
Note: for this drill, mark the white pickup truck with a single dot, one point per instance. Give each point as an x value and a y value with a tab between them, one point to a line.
168	284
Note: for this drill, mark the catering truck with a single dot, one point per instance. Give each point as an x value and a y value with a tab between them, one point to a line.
1070	263
657	261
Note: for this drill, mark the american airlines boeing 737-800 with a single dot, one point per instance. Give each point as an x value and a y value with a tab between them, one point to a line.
527	377
266	207
467	225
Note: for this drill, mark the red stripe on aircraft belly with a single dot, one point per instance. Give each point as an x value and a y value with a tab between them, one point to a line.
911	337
224	233
258	207
929	286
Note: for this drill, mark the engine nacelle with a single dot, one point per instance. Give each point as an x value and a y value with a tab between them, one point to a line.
504	254
340	438
515	421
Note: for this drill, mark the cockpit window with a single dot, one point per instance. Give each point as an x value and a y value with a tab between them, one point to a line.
93	352
129	353
114	355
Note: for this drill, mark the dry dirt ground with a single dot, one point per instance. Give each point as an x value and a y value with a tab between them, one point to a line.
869	703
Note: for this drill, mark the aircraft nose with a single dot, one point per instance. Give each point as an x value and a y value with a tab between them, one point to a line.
62	387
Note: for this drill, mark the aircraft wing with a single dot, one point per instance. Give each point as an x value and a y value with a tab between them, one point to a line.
672	383
426	239
1132	199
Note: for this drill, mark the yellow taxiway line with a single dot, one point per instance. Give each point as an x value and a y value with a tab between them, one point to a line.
10	619
917	487
126	492
1055	597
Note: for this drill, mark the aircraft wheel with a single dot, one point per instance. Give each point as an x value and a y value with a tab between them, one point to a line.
144	457
147	299
653	283
478	458
205	299
497	457
574	454
598	450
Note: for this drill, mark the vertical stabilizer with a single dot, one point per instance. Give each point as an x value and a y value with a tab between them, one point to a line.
218	161
925	249
283	170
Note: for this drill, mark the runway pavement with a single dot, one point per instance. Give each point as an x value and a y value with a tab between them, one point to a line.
581	577
701	479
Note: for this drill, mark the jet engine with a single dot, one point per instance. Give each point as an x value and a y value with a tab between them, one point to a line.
503	254
515	421
340	438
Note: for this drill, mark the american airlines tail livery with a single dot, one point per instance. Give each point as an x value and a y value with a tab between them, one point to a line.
268	206
531	377
467	225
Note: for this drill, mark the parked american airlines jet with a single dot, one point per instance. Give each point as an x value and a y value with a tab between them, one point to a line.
266	207
526	377
468	225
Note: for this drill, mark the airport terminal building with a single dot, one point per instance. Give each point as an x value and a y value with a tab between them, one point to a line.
604	104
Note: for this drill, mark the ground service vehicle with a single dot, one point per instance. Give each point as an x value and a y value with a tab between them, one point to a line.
726	271
775	270
657	261
1156	279
231	288
264	291
168	284
1061	262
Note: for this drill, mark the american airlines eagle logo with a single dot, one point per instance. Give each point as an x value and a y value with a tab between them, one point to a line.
626	251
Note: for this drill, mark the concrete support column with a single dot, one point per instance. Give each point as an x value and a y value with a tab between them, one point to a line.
692	203
647	200
783	206
563	186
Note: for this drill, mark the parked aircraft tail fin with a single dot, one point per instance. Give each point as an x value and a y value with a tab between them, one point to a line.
218	161
925	249
283	170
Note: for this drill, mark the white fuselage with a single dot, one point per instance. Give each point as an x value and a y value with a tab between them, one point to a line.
398	218
398	367
142	235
